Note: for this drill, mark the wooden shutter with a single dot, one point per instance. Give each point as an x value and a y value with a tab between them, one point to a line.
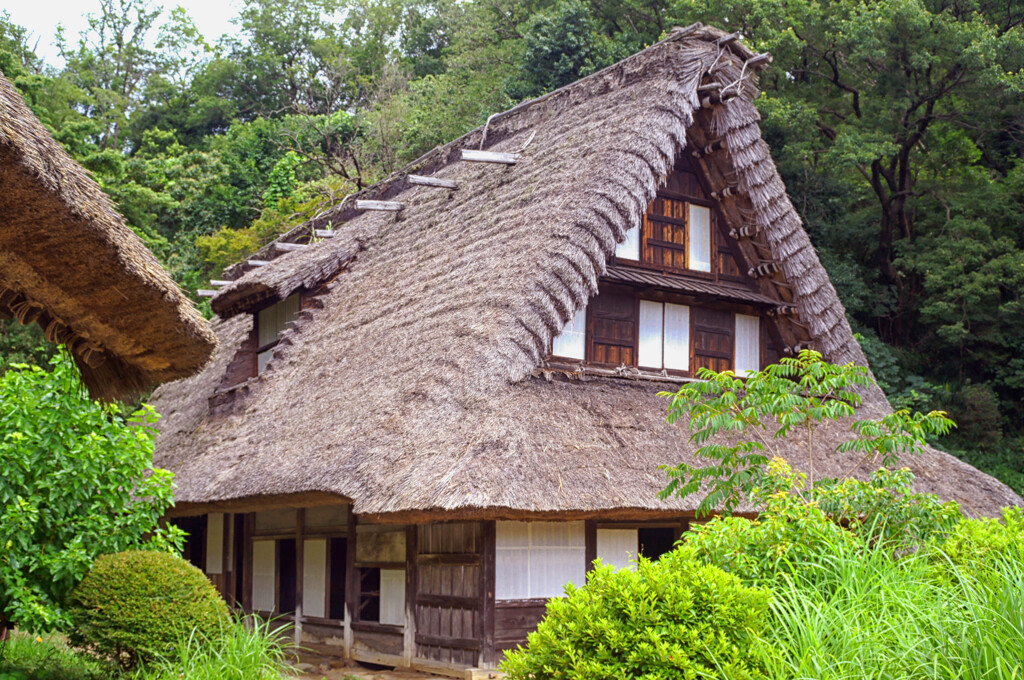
712	338
664	228
612	329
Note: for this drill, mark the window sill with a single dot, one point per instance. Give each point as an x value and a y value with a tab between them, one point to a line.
583	370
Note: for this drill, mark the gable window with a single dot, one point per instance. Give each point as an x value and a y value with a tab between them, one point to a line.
270	322
675	234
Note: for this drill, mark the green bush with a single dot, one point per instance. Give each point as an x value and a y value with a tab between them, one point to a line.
981	541
135	606
675	618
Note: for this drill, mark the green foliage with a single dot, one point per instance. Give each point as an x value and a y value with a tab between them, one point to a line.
46	657
675	618
76	480
137	605
770	409
245	649
983	543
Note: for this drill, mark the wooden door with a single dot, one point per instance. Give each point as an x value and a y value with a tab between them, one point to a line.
449	602
712	331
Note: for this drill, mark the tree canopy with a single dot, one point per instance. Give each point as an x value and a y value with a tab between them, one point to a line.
897	126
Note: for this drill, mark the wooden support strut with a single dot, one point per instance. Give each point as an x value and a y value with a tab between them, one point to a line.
746	231
724	193
257	263
218	283
290	247
715	98
206	293
764	269
325	233
386	206
783	310
799	347
422	180
763	58
489	157
719	144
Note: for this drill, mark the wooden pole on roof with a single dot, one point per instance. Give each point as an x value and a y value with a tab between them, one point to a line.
422	180
387	206
474	156
290	247
257	263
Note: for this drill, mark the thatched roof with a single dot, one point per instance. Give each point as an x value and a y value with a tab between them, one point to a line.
416	386
69	263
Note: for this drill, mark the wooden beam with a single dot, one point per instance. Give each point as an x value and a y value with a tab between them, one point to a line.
202	292
764	58
290	247
219	283
351	582
387	206
433	182
489	157
409	641
300	565
257	263
590	543
325	233
248	525
488	584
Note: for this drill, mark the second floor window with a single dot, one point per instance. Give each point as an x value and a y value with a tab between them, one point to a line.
622	328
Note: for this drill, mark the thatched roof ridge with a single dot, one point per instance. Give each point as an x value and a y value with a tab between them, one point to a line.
417	388
69	263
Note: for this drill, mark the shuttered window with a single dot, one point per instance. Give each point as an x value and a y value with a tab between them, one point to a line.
611	329
664	335
537	559
270	322
700	238
571	343
712	338
748	344
630	248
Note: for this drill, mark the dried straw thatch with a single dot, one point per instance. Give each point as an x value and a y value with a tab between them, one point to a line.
418	390
69	263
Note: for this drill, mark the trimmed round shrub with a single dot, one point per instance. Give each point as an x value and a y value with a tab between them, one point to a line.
675	618
136	606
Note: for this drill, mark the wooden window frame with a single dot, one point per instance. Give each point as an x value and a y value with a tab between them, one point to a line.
714	244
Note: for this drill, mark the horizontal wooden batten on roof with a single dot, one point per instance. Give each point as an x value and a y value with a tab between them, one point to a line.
290	247
218	283
324	233
724	193
764	269
715	145
257	263
386	206
425	181
205	293
489	157
783	310
746	231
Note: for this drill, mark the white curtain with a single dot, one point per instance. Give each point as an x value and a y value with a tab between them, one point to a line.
264	581
314	578
748	344
700	238
571	342
537	559
650	334
677	337
630	248
618	547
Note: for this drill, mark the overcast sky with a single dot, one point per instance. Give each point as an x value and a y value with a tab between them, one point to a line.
213	18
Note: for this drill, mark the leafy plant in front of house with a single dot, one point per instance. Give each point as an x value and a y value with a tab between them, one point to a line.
76	481
675	618
741	424
138	605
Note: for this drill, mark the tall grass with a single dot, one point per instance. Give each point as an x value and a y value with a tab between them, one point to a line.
861	614
249	649
46	657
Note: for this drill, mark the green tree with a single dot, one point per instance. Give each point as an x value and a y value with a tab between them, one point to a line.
76	481
742	424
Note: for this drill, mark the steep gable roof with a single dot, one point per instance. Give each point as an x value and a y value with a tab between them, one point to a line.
69	263
414	387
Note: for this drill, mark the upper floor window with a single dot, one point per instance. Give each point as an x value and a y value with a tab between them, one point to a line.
270	322
622	328
674	234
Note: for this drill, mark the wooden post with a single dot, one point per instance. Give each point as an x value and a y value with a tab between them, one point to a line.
488	550
351	582
247	531
590	543
226	568
411	551
300	561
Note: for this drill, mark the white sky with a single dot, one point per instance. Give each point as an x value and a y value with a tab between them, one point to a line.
40	17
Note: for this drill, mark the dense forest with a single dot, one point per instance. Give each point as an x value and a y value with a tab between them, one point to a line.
898	126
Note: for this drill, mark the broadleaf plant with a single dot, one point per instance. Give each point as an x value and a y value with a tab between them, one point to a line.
740	424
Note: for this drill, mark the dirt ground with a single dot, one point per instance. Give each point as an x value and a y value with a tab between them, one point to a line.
361	673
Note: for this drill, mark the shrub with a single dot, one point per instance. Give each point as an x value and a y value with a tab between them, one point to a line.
675	618
135	606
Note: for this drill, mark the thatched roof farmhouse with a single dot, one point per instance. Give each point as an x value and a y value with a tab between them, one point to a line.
437	402
69	263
